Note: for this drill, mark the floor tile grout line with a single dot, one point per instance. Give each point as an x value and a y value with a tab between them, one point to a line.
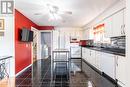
25	78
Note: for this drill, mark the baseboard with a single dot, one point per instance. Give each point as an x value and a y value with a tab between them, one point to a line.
23	70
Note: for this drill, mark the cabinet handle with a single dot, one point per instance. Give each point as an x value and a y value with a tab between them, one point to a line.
124	28
116	61
121	29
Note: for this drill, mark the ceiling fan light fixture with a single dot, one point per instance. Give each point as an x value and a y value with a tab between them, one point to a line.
51	17
57	17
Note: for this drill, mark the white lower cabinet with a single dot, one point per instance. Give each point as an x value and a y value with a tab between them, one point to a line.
93	57
83	53
87	54
98	59
108	66
120	70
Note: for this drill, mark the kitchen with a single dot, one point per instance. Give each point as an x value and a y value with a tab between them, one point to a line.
100	45
107	52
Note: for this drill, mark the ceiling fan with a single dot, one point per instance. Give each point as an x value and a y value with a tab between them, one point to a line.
54	12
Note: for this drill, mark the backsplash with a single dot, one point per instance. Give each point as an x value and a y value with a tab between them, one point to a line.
115	42
118	42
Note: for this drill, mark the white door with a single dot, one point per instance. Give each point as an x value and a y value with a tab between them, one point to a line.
117	23
46	44
35	44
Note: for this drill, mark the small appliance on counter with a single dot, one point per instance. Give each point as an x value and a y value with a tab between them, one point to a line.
82	42
86	43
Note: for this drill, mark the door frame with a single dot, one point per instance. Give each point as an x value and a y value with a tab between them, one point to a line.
35	30
49	31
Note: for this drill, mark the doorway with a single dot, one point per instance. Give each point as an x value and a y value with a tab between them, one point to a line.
35	44
46	44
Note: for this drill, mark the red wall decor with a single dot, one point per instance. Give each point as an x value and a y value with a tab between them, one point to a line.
23	50
46	28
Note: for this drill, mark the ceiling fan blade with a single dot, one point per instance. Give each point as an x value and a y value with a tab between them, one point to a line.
68	12
38	13
65	12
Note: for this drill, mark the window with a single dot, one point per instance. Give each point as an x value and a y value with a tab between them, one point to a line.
99	34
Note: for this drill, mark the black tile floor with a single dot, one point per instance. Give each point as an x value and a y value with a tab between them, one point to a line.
42	74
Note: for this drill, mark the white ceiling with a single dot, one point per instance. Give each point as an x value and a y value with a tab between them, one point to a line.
83	11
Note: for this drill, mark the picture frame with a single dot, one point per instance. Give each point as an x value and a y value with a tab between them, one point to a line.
1	24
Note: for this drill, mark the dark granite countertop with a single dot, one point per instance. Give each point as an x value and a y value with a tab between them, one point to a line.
115	51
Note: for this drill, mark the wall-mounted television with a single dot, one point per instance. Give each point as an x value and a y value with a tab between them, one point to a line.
26	35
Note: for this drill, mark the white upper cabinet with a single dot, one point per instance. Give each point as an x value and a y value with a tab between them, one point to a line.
124	21
88	34
108	27
115	25
118	24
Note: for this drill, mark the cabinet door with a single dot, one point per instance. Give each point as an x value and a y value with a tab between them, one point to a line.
86	34
117	24
108	27
87	54
108	65
120	69
83	53
75	51
98	59
93	58
90	57
124	28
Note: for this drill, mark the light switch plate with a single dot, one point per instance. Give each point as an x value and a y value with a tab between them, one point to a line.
1	33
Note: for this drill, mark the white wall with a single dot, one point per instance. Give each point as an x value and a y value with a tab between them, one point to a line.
65	33
128	42
7	42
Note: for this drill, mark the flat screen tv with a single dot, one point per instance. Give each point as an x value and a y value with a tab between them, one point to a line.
26	35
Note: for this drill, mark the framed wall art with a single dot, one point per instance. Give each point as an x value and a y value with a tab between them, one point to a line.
1	24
